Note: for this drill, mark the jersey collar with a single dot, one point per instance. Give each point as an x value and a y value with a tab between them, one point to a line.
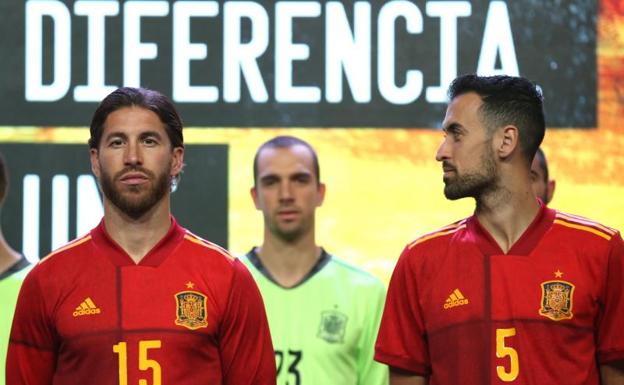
154	257
255	260
524	245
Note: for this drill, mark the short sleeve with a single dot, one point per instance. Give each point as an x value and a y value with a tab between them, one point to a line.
247	356
401	341
369	371
611	320
31	356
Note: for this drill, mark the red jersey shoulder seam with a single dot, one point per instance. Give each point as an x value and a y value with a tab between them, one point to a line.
450	229
584	224
207	244
70	245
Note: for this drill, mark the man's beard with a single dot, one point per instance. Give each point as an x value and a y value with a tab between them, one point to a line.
474	184
134	202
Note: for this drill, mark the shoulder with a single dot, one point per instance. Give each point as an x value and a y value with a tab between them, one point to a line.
575	227
66	254
354	275
423	252
206	249
437	238
13	281
21	274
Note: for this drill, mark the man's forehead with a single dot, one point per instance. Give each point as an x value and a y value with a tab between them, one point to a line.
297	158
462	108
133	118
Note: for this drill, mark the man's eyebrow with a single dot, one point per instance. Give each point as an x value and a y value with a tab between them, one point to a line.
451	127
269	177
301	174
115	134
150	133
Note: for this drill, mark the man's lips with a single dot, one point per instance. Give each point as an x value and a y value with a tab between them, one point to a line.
287	214
133	178
447	168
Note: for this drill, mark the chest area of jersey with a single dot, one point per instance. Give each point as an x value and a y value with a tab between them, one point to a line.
324	319
315	333
136	298
547	287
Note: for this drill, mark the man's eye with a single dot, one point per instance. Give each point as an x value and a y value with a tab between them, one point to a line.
116	143
302	179
150	141
269	182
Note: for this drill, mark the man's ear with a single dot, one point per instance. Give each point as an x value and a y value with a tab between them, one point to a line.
320	194
254	196
178	161
550	190
508	141
95	162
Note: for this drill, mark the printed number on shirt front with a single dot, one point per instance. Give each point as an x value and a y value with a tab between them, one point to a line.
121	349
291	358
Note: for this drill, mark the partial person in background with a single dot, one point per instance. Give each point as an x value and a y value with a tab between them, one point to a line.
323	313
543	187
13	269
140	299
517	293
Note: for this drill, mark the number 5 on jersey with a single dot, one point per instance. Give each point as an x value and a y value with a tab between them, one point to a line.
144	363
502	350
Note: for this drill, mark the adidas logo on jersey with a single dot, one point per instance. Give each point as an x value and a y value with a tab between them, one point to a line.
455	299
87	307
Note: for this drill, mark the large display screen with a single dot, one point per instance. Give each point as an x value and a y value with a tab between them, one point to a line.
364	82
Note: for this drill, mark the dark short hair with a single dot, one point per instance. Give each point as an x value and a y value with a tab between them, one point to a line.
137	97
543	164
4	179
508	100
285	141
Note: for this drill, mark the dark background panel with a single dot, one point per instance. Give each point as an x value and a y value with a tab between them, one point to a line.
555	44
199	204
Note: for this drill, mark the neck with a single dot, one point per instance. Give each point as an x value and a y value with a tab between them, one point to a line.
137	236
507	212
8	256
289	262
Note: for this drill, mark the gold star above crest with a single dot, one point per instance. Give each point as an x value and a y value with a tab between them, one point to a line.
190	285
558	274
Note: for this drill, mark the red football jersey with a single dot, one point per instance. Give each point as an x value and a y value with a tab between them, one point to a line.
461	311
187	314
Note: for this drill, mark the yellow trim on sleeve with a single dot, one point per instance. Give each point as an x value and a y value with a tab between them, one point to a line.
583	228
66	247
195	239
587	222
435	235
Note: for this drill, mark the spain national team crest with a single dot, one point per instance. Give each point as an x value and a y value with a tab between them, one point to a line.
557	297
191	309
333	326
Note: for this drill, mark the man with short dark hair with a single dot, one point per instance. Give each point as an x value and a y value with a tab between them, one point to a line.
543	186
517	293
13	269
139	299
323	312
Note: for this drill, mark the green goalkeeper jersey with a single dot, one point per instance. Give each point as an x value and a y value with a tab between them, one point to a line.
324	328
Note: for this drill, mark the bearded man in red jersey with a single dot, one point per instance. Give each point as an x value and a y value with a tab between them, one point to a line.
517	293
140	299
